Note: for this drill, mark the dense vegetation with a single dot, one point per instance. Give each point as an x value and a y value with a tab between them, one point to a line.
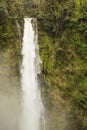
63	45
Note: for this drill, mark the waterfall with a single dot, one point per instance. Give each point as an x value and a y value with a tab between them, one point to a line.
32	107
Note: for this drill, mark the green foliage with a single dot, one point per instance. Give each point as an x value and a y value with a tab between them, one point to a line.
63	44
10	11
64	51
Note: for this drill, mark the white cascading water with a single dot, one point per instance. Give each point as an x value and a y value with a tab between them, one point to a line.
32	107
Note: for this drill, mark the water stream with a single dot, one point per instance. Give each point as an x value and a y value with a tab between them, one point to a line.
32	107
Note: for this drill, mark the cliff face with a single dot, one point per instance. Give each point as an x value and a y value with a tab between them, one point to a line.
62	29
63	45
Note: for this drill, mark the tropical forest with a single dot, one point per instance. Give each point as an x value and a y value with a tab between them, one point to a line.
43	64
